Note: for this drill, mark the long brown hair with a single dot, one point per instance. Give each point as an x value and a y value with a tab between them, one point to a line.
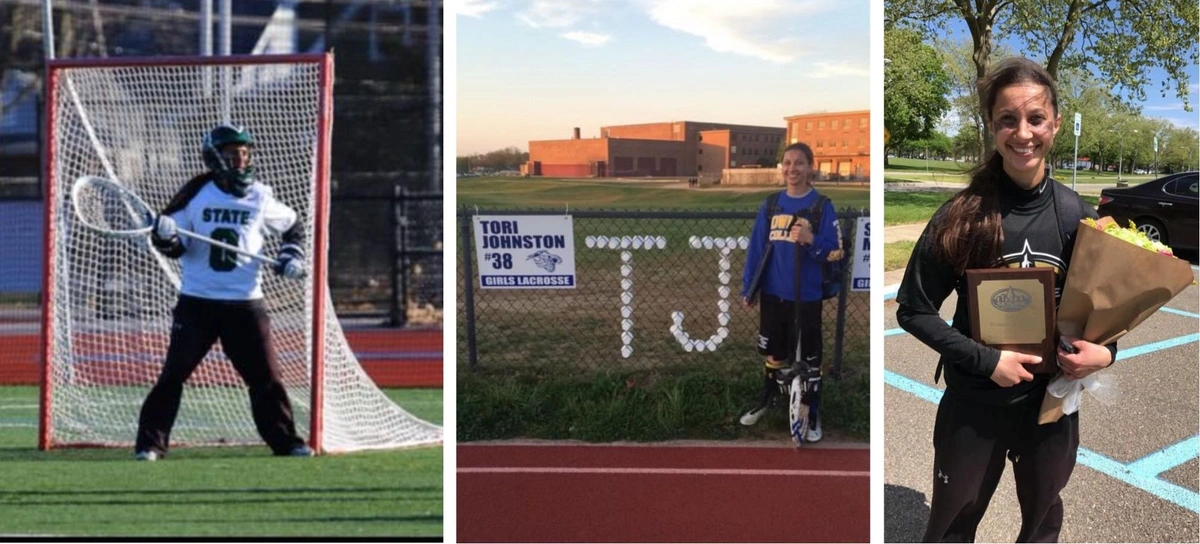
969	234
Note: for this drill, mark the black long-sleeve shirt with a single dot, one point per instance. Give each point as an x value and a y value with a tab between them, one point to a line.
1032	237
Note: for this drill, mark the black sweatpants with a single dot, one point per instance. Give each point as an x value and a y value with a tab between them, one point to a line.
245	333
971	442
777	330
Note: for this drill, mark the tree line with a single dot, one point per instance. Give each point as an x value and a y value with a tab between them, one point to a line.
1099	52
509	158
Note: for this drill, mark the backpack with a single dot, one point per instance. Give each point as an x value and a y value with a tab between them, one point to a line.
833	273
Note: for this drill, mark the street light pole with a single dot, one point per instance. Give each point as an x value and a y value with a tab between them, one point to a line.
1121	158
1156	154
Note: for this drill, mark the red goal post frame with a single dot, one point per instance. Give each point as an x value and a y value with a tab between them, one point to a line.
321	199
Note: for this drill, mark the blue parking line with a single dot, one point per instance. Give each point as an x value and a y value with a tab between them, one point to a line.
1121	353
1179	312
903	383
1162	489
1157	346
1167	458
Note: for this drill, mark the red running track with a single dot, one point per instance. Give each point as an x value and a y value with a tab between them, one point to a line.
603	493
392	358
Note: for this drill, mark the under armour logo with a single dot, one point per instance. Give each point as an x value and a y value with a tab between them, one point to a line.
943	477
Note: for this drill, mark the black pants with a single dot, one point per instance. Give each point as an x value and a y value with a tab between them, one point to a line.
777	330
971	443
245	333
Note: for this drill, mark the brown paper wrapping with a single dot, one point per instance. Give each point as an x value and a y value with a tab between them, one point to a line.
1111	287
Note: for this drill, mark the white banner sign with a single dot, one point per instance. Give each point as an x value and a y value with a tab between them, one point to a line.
860	274
525	251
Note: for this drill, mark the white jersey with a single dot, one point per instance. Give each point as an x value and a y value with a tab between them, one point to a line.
215	273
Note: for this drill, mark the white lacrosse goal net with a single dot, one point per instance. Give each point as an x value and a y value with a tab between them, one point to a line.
108	300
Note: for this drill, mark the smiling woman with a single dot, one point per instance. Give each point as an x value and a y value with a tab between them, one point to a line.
1013	214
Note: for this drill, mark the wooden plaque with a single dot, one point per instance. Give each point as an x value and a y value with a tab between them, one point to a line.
1013	309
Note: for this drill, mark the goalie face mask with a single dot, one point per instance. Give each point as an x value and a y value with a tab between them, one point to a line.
228	152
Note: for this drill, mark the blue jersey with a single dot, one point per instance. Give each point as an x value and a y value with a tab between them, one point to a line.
771	227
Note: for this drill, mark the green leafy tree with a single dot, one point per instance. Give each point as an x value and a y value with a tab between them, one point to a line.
967	143
916	88
1178	149
1121	40
964	93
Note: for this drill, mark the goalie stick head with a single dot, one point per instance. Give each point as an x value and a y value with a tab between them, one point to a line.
233	180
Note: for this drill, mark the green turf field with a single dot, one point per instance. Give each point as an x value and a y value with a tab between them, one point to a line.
530	193
229	492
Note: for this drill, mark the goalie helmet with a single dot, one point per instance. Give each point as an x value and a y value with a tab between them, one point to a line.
235	181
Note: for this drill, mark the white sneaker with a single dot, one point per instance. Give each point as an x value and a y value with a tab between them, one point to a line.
752	417
146	456
814	431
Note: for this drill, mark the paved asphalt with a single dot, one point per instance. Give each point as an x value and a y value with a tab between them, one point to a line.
1138	471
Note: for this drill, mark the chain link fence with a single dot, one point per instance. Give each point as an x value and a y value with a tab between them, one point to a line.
385	254
655	290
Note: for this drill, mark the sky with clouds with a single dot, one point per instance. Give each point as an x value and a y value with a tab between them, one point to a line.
534	69
1168	107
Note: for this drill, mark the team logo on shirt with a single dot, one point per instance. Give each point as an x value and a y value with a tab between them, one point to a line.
779	227
1028	258
225	216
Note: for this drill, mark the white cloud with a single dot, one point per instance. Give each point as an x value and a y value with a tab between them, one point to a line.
736	27
590	39
842	69
557	13
474	8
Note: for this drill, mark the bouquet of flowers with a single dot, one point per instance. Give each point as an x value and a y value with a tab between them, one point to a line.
1118	277
1131	235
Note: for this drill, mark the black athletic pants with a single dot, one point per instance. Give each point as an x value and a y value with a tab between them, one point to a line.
777	328
971	442
245	333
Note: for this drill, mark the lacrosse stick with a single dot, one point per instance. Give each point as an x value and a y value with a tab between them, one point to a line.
113	211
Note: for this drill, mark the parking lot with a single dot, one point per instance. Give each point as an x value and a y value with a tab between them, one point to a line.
1138	471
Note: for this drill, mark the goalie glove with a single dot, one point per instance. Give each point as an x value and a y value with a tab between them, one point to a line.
165	227
165	236
291	262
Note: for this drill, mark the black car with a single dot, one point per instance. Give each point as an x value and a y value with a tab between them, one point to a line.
1165	209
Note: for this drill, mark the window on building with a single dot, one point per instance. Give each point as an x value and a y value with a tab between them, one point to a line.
862	143
833	124
832	143
732	163
821	125
700	151
847	125
820	144
845	143
862	123
808	125
733	149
